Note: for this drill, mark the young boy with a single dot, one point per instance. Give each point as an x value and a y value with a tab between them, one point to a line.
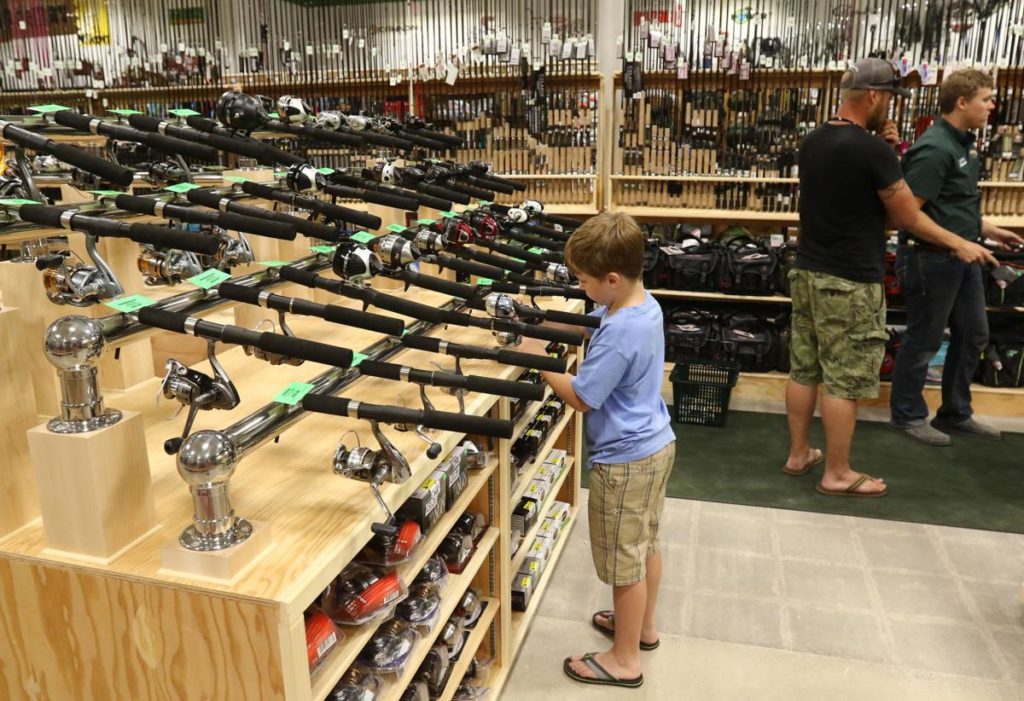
630	443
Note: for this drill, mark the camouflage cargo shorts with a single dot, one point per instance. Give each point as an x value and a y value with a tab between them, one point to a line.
838	335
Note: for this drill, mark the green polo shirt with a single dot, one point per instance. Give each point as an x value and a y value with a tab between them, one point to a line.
942	167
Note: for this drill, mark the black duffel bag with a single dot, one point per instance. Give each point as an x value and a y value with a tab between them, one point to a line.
689	333
748	340
1004	285
693	264
1002	362
748	267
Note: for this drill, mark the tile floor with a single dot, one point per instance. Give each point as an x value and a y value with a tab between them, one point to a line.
774	604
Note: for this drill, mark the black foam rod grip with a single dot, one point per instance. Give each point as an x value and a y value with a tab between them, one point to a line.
470	267
544	291
445	193
335	137
533	361
306	350
440	420
398	305
167	237
547	231
503	262
374	197
189	149
449	139
488	185
531	240
517	185
211	199
424	141
515	252
163	319
41	214
567	222
590	322
468	189
376	368
239	293
138	205
97	166
361	320
505	388
447	287
372	137
297	275
426	200
224	143
231	334
271	228
544	333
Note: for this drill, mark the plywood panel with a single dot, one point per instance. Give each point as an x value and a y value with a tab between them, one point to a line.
18	502
72	635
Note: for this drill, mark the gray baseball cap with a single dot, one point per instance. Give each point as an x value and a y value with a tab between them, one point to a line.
874	74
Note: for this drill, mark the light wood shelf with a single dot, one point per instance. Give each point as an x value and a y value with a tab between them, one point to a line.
470	648
705	178
328	674
523	481
726	215
542	512
521	620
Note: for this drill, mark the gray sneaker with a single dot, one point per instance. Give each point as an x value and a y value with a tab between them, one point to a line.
970	427
922	433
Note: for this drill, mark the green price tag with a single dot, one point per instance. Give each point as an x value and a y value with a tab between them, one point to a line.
293	393
358	358
536	250
211	278
325	171
274	115
130	304
426	222
405	332
124	113
272	263
362	237
106	193
235	179
328	250
483	203
517	259
484	281
17	202
182	188
183	113
449	214
397	228
46	109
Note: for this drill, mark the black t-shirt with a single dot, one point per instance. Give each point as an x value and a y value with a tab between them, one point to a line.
842	219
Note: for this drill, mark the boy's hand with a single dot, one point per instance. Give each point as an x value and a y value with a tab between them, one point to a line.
533	345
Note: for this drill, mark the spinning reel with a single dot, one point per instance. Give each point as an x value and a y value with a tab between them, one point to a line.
198	391
167	267
271	357
374	467
75	282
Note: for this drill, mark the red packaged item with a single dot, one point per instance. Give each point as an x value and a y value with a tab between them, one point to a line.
321	637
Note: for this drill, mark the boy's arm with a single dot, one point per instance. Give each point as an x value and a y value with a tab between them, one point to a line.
561	384
600	373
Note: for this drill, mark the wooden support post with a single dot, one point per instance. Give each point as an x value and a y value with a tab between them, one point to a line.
18	502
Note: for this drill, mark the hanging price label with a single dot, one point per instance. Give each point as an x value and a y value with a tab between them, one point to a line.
182	188
293	393
396	228
484	281
358	358
326	250
362	237
449	215
426	222
129	304
17	202
272	263
211	278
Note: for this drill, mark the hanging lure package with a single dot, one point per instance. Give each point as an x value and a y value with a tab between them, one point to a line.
422	608
435	669
357	684
435	571
393	547
360	594
390	647
322	636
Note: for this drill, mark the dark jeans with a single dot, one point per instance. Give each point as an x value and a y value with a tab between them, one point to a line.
940	289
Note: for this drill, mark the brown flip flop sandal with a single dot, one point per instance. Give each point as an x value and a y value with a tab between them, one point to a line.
851	491
807	467
610	632
602	674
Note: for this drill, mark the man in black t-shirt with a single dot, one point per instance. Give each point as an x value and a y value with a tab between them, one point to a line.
851	188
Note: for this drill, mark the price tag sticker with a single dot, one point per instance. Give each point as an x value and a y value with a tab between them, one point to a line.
484	281
183	113
358	358
293	393
396	228
362	237
17	202
47	109
449	214
327	250
124	113
182	188
325	171
132	303
536	250
272	263
426	222
236	179
776	240
211	278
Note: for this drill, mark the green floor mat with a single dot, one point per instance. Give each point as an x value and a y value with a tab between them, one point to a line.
971	484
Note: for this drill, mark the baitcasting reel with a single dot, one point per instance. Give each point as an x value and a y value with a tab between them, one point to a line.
293	110
76	282
302	177
198	391
240	111
355	263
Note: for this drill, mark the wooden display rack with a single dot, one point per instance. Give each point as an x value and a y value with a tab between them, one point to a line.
135	628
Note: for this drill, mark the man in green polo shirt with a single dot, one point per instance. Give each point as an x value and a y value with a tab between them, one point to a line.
941	169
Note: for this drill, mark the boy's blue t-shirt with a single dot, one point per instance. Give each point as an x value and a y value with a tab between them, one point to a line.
620	380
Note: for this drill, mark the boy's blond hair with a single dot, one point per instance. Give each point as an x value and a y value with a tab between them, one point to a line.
611	242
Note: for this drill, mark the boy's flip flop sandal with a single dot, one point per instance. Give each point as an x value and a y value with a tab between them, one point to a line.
601	674
851	491
610	632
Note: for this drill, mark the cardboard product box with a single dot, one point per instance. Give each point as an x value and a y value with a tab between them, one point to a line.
515	539
525	515
428	503
531	568
550	529
539	552
547	474
522	591
556	458
560	512
454	470
538	489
